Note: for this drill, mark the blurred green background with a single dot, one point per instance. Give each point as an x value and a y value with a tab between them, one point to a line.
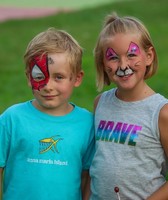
73	4
84	24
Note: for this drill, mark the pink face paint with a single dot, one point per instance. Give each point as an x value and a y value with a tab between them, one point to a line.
110	53
39	74
133	49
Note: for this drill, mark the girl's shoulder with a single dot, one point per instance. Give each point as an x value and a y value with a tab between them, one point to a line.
104	94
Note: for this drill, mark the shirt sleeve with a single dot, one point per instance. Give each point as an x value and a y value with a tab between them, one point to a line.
4	141
90	150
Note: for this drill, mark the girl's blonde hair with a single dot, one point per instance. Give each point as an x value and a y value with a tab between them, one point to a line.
113	25
55	41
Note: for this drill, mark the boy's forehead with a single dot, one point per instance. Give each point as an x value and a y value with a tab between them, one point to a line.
59	62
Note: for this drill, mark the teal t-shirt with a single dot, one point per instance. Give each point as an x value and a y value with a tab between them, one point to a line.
43	155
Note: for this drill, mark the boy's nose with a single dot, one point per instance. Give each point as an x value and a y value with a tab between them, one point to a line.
49	85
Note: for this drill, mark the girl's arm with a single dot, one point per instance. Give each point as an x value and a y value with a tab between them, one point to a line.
163	128
162	192
96	101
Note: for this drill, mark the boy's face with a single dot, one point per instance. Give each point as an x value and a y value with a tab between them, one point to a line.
52	83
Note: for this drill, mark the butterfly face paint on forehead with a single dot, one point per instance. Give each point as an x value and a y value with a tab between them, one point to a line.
39	74
133	49
110	53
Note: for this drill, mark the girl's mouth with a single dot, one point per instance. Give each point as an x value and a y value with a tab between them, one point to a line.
126	72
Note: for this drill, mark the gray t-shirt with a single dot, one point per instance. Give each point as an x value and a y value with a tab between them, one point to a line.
129	154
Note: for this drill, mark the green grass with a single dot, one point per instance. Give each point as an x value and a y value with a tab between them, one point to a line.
85	26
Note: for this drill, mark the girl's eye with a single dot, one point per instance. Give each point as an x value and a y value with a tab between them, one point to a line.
131	55
111	55
113	58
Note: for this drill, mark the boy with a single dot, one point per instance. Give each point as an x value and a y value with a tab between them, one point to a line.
47	144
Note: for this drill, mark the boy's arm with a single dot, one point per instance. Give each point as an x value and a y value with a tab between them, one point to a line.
162	192
85	184
1	174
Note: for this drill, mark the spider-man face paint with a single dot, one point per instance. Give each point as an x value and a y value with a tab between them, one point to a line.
39	74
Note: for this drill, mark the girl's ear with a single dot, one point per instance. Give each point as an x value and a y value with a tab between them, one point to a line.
79	78
150	56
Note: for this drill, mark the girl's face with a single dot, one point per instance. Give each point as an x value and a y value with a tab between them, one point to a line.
52	83
125	60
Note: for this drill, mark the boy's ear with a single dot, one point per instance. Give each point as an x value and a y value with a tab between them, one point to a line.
150	56
79	78
28	78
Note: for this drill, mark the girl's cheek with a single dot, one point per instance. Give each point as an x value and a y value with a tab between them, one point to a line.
134	62
110	69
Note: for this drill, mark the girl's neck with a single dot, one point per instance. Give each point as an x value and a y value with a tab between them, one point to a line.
134	95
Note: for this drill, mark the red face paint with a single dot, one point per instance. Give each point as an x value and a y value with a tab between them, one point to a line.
39	74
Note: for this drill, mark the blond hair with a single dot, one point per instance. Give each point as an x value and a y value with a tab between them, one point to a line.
55	41
113	25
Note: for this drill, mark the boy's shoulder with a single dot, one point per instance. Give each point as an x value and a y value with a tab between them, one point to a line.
83	110
16	108
83	113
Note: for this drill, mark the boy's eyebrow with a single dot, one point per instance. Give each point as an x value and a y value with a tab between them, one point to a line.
50	60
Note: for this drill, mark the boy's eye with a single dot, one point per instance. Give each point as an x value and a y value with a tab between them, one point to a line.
37	74
59	77
39	78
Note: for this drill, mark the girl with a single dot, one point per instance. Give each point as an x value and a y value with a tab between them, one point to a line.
131	120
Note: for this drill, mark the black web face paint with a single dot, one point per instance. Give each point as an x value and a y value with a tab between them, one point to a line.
39	74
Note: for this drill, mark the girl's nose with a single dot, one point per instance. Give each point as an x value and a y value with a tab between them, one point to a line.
123	64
